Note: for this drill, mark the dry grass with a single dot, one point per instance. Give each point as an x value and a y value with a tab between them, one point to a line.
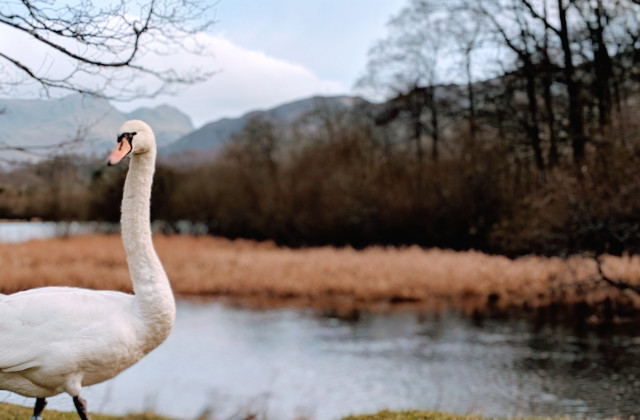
218	267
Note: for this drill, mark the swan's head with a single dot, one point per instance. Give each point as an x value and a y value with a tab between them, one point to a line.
134	137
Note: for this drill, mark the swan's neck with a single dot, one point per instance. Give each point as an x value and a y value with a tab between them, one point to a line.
154	299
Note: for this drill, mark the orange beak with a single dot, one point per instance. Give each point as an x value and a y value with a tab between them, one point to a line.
122	149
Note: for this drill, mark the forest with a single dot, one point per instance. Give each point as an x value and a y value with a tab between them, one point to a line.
533	148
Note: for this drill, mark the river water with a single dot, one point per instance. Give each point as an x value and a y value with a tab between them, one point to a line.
24	231
227	361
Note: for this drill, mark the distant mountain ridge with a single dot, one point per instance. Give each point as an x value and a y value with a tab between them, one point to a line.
214	134
37	122
45	123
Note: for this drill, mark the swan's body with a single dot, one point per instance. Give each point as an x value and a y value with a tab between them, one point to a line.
59	339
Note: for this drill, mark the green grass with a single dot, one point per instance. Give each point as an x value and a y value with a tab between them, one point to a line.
423	415
16	412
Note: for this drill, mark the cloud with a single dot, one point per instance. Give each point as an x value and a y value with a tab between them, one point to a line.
245	80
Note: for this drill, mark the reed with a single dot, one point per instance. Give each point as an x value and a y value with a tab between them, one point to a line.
209	266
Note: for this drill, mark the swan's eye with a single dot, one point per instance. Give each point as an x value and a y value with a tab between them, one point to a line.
128	136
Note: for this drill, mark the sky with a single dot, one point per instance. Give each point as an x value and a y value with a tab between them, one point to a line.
271	52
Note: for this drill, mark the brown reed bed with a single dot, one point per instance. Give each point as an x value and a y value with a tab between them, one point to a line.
262	272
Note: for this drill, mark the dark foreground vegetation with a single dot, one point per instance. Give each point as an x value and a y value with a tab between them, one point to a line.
543	158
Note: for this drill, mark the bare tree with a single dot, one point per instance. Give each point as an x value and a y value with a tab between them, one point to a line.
602	63
111	51
549	70
518	33
404	66
563	30
257	145
98	50
467	34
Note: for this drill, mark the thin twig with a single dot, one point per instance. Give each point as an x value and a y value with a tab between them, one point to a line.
620	285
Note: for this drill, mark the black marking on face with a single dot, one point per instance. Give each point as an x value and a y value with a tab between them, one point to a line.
128	136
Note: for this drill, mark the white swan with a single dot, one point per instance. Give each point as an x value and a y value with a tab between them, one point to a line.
59	339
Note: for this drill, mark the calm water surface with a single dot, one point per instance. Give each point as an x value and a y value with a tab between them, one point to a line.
12	232
284	363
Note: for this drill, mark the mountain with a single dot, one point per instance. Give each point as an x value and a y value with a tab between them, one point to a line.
169	124
44	123
213	135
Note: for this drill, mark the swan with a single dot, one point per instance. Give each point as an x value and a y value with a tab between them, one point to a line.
60	339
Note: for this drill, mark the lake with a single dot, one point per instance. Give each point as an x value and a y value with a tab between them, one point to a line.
227	360
26	231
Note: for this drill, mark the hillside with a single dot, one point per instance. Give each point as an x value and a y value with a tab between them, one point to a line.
213	135
42	123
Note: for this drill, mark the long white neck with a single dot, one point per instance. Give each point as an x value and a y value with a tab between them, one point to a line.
155	304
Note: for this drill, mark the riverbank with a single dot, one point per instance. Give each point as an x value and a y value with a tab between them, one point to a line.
11	412
343	279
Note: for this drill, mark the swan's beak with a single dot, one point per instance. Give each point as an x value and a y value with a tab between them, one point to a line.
122	149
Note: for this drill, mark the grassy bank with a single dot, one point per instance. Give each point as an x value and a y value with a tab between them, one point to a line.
207	266
422	415
12	412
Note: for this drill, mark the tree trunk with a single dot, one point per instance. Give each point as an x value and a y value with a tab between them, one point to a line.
603	69
435	129
548	71
532	120
470	96
416	99
576	124
547	79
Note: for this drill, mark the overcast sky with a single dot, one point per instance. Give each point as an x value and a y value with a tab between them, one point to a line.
271	52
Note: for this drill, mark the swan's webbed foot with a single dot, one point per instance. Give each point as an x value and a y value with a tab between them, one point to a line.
81	407
37	411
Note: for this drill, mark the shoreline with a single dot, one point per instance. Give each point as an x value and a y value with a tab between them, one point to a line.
13	411
474	283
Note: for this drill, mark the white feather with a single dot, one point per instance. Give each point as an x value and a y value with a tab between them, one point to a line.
59	339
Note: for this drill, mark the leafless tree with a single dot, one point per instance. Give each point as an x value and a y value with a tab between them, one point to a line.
467	33
515	30
99	50
405	67
110	51
563	31
549	69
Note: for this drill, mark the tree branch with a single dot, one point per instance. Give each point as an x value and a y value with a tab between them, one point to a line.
541	18
615	283
106	44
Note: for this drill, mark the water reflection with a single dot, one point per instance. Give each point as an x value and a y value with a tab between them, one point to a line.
287	363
